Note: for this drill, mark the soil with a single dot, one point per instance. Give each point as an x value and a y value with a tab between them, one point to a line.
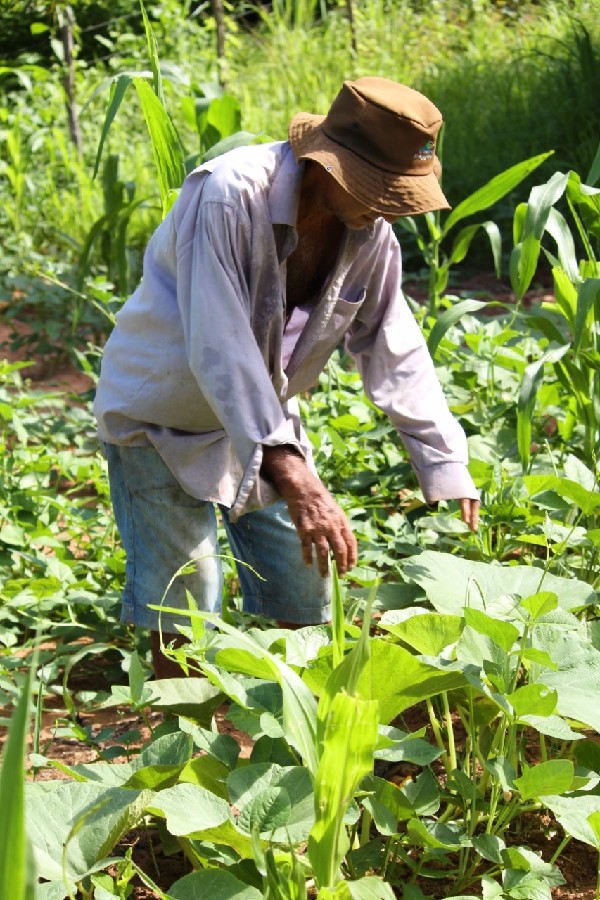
578	862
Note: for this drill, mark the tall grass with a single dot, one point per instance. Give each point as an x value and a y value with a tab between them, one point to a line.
510	86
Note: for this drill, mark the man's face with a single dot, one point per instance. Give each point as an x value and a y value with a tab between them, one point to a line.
351	212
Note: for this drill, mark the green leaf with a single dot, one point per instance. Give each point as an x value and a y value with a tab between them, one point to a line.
218	884
16	875
348	745
439	836
588	296
462	242
166	147
88	818
502	633
587	499
370	888
289	813
452	583
494	190
428	633
118	89
189	809
573	813
541	200
532	379
449	318
533	700
153	54
555	776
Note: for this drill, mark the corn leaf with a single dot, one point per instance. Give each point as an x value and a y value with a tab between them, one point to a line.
449	318
118	89
15	867
532	379
349	744
462	242
541	199
588	297
166	147
153	54
494	190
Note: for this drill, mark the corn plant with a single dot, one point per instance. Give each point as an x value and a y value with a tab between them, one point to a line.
439	226
570	323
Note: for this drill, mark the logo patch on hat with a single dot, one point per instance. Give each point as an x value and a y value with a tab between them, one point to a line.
426	151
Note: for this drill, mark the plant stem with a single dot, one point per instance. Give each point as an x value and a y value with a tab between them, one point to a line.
438	735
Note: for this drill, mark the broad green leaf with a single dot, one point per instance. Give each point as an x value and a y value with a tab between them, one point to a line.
397	746
428	633
398	680
166	147
532	700
189	809
423	793
89	818
207	772
539	604
192	697
573	814
587	500
555	776
449	318
577	678
452	583
290	791
370	888
439	836
218	884
239	139
494	190
267	812
462	242
502	633
387	803
594	822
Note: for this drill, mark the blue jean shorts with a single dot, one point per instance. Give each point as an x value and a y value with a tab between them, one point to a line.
162	528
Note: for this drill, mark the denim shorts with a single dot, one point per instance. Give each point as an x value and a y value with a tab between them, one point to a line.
162	528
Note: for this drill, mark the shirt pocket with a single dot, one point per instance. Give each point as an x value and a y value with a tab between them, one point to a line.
345	311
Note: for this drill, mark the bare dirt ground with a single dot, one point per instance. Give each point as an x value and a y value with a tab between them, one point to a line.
578	862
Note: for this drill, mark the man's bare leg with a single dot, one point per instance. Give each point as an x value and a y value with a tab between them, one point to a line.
162	665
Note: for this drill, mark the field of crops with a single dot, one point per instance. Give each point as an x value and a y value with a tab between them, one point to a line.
440	738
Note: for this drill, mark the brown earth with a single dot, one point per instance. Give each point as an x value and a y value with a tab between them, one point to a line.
578	862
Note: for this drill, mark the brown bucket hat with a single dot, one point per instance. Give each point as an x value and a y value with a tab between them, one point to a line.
378	142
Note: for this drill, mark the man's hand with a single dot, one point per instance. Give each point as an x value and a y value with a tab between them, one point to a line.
320	522
469	510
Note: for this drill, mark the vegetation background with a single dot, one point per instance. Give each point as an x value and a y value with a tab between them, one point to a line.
493	707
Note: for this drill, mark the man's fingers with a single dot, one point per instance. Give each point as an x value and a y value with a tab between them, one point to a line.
469	510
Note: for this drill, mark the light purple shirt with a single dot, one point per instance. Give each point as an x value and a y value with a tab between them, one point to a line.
197	363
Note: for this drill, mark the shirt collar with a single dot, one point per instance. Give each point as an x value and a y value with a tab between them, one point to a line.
284	195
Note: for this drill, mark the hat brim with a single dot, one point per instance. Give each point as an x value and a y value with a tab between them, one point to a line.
387	193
